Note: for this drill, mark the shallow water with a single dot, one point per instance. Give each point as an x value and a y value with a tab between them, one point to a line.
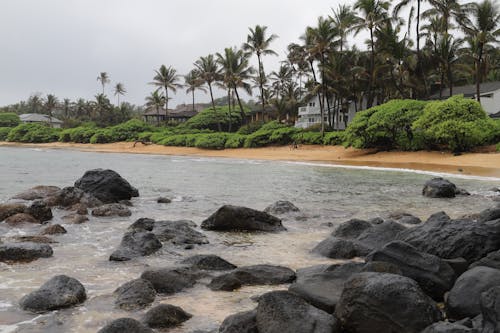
198	186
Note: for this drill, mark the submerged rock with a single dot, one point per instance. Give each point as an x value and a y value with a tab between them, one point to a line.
178	232
464	298
433	274
34	239
234	218
241	322
170	280
59	292
381	302
136	243
24	252
281	207
283	311
127	325
106	185
252	275
37	192
439	188
53	230
165	315
135	294
9	209
71	196
40	211
208	262
75	219
19	219
113	209
163	200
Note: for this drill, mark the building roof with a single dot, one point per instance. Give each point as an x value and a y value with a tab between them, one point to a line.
39	118
469	90
198	107
153	112
171	113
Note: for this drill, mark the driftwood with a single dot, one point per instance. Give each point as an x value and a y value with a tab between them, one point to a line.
144	142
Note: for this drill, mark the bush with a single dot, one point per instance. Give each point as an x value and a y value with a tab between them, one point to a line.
262	137
250	128
33	133
308	138
333	138
145	136
128	131
498	146
235	141
211	141
80	134
4	133
210	119
9	119
157	137
174	140
102	136
283	136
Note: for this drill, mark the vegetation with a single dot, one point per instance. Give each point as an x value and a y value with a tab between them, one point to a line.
9	119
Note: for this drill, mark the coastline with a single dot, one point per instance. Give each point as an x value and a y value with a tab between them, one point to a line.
486	164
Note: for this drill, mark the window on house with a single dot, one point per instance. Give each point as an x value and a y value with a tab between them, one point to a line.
312	104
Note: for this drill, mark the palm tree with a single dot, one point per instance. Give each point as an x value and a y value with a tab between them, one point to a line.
50	104
481	29
209	72
192	81
166	78
344	21
104	78
237	72
281	78
119	90
156	100
67	107
373	13
258	44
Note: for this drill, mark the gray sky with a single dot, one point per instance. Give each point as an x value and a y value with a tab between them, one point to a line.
60	46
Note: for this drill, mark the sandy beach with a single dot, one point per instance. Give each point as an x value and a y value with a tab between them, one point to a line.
485	163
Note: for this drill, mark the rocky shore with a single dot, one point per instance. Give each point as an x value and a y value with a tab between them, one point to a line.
398	274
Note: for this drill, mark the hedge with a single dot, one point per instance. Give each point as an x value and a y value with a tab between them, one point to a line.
4	133
9	119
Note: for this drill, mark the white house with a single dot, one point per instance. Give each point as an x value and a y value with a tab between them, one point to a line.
40	118
490	96
310	115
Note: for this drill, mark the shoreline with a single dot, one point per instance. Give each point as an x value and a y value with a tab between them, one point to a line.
485	164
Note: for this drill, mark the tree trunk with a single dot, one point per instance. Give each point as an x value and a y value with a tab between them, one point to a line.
166	105
213	105
241	106
450	79
229	108
193	98
157	116
372	65
261	82
478	72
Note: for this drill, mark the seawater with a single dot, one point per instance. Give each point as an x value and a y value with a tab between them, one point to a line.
326	196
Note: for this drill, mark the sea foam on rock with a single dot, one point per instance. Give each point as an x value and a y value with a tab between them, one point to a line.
235	218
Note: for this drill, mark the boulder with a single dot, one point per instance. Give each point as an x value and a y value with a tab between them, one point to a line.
135	294
53	229
136	243
439	188
490	308
381	302
447	238
75	219
241	322
178	233
433	274
381	267
281	207
208	262
283	311
489	214
40	211
24	252
404	218
380	234
338	248
170	280
19	219
71	196
234	218
253	275
163	200
37	192
464	298
491	260
459	265
106	185
143	223
165	315
113	209
9	209
59	292
447	327
80	209
127	325
322	285
351	229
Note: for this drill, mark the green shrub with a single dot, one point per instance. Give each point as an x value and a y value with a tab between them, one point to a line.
262	137
308	138
210	119
235	141
250	128
33	133
102	136
498	146
211	141
174	140
145	136
9	119
128	131
4	133
81	134
333	138
283	136
191	139
157	137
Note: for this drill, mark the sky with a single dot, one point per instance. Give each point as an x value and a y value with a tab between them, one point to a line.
60	46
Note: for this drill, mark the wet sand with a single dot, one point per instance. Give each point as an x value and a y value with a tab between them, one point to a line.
483	163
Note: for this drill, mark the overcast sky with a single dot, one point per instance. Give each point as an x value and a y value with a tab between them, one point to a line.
60	46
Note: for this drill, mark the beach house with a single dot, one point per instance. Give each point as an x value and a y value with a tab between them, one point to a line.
310	114
40	119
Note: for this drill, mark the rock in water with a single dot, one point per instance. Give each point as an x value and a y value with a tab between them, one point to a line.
439	188
20	218
59	292
125	325
178	232
447	327
113	209
489	214
208	262
242	322
106	185
381	302
9	209
53	230
283	311
351	229
234	218
448	239
165	315
24	252
170	280
37	192
136	243
281	207
135	294
433	274
40	210
71	196
464	298
252	275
